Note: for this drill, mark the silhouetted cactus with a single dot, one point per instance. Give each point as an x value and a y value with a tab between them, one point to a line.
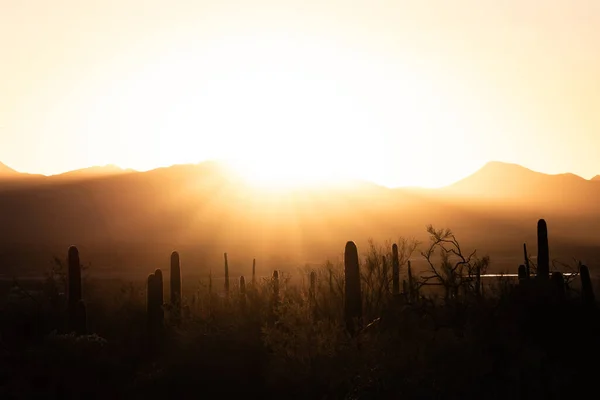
226	275
159	277
253	272
522	273
395	270
175	282
526	258
543	259
154	309
75	306
353	297
587	291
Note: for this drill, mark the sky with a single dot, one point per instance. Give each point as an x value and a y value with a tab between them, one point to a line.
403	93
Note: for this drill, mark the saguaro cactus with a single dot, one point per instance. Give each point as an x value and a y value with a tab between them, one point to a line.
175	284
154	309
395	270
587	291
522	273
543	259
76	307
226	275
253	272
353	297
159	278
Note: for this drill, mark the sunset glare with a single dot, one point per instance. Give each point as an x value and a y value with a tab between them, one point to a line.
391	93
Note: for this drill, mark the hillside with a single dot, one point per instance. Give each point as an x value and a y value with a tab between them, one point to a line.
94	172
134	220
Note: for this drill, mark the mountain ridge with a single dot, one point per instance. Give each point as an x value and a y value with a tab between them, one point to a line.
490	170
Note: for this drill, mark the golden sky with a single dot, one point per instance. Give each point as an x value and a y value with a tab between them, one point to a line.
399	92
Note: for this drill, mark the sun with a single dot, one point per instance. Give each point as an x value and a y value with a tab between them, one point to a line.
274	173
284	112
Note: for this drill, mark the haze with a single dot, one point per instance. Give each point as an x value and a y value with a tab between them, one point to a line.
411	93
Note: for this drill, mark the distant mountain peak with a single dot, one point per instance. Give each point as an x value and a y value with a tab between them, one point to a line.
505	180
97	170
596	178
6	170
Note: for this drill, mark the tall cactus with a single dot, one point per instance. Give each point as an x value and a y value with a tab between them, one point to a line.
522	273
395	270
176	285
587	291
543	268
77	314
154	309
159	278
253	272
353	297
226	275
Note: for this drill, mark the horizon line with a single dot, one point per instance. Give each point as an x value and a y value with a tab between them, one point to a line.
228	163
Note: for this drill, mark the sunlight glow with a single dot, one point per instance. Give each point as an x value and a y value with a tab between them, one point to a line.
284	112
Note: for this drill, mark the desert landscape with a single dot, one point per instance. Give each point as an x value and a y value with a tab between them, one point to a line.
299	200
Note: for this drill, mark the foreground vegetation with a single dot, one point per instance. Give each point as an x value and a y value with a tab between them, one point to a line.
366	328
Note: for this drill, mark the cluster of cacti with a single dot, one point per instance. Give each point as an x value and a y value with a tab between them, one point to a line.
353	295
545	283
77	313
551	285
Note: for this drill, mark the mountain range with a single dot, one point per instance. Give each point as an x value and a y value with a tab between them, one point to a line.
124	220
